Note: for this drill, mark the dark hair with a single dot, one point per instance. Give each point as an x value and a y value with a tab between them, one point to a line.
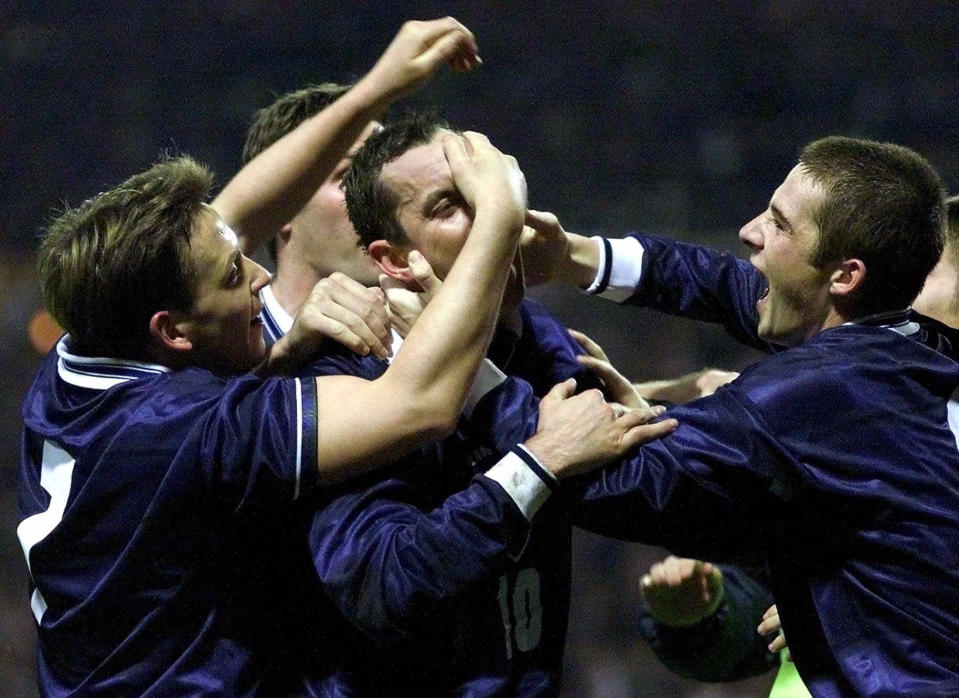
370	203
883	205
287	112
107	266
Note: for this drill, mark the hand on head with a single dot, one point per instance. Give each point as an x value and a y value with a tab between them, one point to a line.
490	182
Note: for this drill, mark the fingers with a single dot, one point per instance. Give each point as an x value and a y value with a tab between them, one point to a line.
560	391
770	623
543	222
351	314
644	433
423	273
446	39
589	346
457	47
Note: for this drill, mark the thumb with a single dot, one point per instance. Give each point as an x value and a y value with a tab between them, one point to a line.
561	391
422	271
543	222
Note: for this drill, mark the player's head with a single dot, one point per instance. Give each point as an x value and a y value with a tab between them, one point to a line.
147	271
401	196
320	236
852	231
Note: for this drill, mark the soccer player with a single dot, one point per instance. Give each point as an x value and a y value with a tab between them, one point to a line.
428	605
839	448
156	483
718	639
319	239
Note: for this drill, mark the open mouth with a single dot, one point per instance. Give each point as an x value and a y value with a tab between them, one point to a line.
764	295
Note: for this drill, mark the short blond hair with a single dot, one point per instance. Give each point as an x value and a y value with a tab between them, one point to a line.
108	265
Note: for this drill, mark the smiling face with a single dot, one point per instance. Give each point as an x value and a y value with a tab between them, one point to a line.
223	324
321	234
782	241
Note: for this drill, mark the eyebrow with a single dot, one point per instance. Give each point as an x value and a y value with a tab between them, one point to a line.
780	216
436	196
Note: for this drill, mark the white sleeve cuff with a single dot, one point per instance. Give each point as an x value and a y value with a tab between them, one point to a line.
521	483
620	268
487	378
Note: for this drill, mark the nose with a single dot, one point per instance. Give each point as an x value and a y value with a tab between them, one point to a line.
259	277
751	234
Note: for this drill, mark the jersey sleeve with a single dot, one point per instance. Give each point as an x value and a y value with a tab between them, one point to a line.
686	280
258	439
724	646
386	561
698	491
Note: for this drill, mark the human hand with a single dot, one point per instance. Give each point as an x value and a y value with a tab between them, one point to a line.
578	433
340	309
404	305
772	625
416	53
709	380
544	246
686	388
490	182
680	592
552	254
617	385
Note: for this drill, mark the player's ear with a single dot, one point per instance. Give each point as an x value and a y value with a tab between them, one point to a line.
170	330
847	278
391	260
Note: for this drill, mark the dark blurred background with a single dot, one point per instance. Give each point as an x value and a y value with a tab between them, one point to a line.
678	117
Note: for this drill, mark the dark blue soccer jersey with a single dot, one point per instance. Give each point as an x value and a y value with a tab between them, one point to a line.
840	453
449	591
156	507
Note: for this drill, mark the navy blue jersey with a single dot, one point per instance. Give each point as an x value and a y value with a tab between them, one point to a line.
448	591
841	453
156	507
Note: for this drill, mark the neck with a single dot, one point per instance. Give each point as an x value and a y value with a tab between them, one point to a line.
292	285
939	298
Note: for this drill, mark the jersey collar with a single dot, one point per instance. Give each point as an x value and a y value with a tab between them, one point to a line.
100	373
276	320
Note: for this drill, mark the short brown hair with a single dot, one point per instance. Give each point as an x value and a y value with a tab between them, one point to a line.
287	112
883	205
370	203
107	266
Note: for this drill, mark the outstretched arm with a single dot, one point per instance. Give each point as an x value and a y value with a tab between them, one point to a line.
275	185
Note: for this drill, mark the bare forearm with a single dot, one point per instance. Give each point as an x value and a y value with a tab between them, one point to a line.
439	364
275	185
